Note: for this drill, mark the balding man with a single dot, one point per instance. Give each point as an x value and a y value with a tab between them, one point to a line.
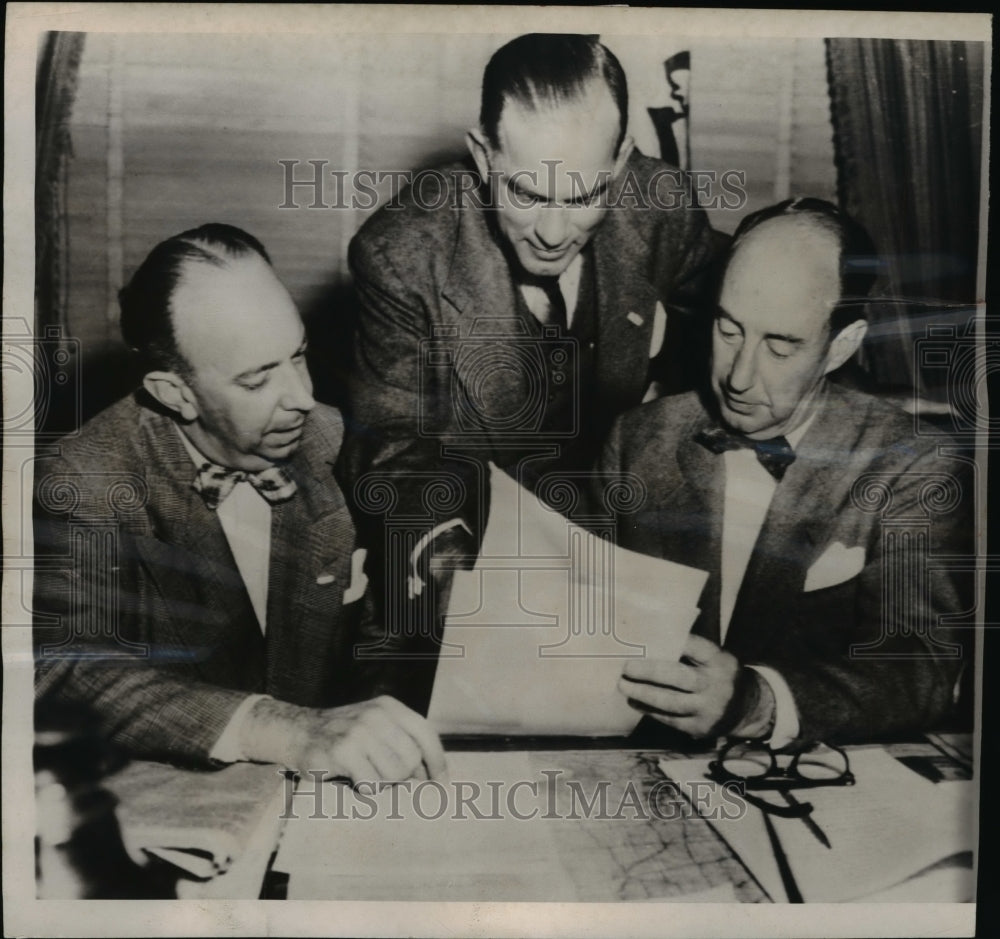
199	584
822	617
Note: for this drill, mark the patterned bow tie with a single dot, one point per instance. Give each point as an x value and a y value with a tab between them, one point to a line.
214	483
775	455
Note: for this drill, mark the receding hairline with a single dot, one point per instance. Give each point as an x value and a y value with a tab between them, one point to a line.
792	226
819	259
559	103
217	257
193	271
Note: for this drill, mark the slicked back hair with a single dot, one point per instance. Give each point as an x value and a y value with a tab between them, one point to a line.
547	69
146	300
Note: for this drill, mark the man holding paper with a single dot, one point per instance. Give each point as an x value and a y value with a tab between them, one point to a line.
818	511
198	582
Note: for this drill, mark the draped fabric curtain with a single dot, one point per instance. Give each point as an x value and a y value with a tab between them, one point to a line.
907	130
55	89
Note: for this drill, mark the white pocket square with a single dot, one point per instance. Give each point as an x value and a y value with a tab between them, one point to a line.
835	565
359	580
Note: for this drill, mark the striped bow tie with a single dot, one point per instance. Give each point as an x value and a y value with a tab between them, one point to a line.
214	483
775	455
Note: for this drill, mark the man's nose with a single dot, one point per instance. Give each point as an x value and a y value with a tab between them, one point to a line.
298	391
551	226
743	372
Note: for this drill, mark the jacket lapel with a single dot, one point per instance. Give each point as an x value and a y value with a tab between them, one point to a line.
312	538
626	308
795	526
696	505
481	292
189	555
479	282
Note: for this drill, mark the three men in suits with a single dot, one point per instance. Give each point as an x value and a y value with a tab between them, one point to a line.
825	523
512	319
199	586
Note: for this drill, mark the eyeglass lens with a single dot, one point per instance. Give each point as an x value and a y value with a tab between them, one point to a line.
753	760
821	763
747	761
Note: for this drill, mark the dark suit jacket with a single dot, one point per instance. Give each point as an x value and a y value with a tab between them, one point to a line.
862	479
124	543
441	274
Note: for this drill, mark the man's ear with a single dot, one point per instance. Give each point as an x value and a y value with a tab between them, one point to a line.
479	147
624	152
844	345
173	393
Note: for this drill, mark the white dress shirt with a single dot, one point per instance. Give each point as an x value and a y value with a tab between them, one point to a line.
749	489
569	287
245	517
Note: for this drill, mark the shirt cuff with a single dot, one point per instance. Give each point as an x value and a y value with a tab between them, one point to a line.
227	747
786	716
414	583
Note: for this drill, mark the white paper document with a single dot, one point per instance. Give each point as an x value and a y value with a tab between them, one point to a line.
890	826
419	841
537	634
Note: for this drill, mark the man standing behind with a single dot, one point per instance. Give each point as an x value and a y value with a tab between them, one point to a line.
514	318
820	515
198	582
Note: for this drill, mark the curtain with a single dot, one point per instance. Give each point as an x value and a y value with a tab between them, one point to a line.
907	119
55	89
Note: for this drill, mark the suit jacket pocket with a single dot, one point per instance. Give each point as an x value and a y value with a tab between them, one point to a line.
828	618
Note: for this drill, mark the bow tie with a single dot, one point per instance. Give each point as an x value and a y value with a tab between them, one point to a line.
214	483
775	455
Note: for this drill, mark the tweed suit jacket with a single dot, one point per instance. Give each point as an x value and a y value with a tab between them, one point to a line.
142	612
436	282
867	648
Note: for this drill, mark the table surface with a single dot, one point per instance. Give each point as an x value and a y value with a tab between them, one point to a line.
663	854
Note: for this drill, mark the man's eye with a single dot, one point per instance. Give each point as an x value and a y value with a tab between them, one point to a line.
255	384
726	330
781	350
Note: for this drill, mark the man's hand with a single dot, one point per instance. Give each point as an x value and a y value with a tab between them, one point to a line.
375	740
706	692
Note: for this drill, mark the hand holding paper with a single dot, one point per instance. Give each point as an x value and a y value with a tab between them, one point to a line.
692	694
706	693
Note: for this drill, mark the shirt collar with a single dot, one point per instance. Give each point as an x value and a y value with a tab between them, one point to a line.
197	457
